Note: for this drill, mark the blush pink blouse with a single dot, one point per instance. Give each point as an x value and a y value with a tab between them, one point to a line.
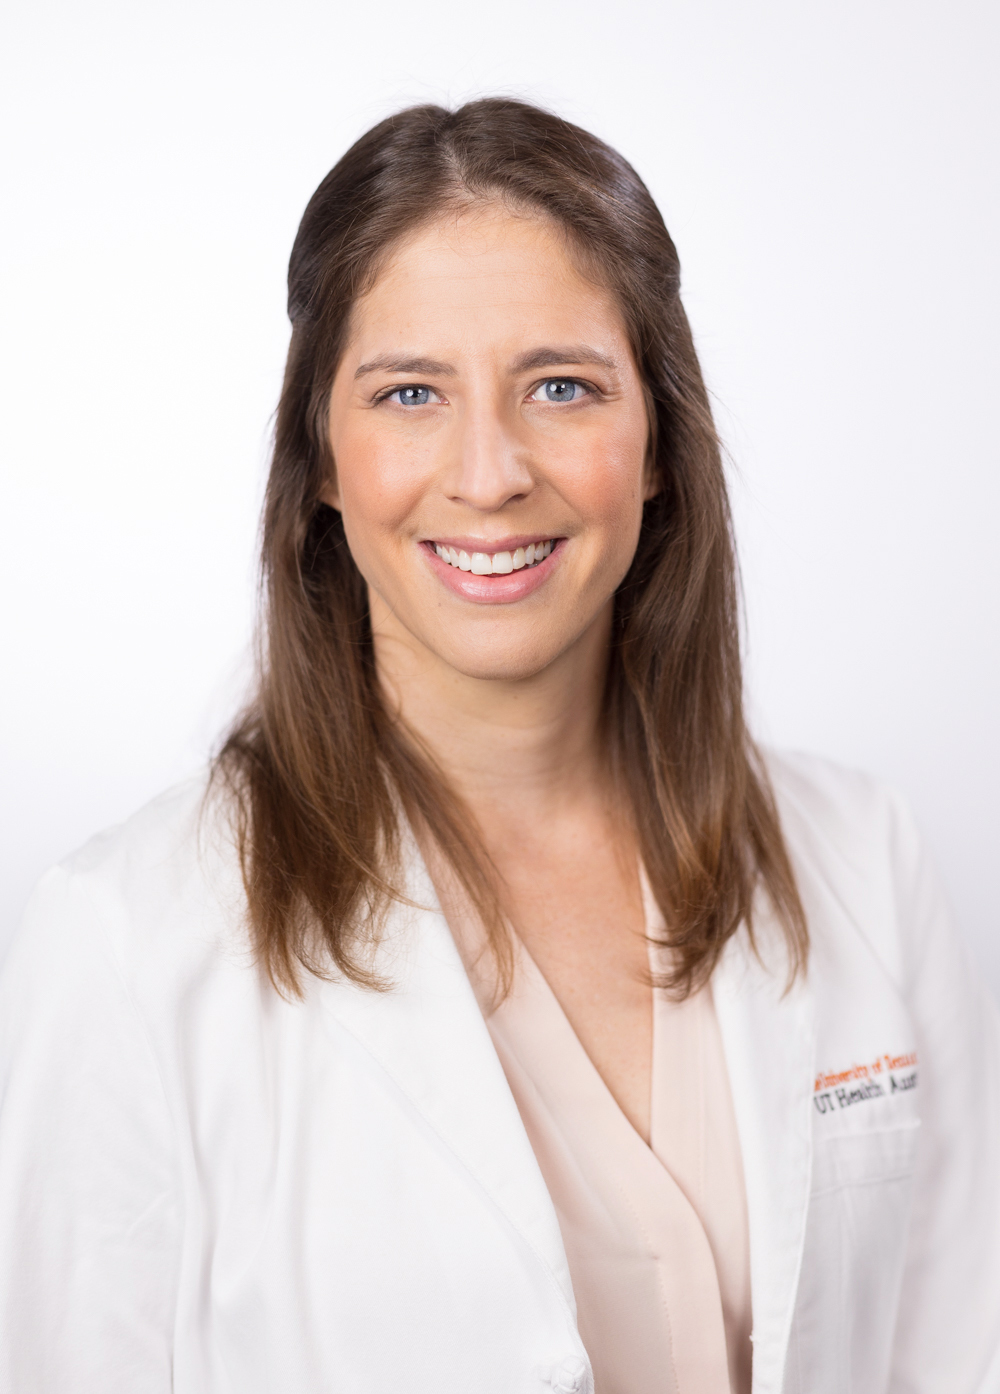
656	1236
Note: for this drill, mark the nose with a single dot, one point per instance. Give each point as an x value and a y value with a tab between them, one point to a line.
490	465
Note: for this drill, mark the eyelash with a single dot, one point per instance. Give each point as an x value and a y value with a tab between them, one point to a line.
587	387
401	387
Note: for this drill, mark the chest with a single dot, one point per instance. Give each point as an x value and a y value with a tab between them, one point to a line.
373	1215
579	911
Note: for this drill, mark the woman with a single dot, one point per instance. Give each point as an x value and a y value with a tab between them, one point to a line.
496	1018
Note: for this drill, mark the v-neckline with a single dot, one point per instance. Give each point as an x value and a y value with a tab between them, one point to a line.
528	969
588	1082
534	980
534	1036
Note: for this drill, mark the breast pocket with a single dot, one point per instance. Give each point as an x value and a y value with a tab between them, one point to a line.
853	1262
872	1157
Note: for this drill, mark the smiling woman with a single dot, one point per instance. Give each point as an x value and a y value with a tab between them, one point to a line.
484	442
443	271
494	1015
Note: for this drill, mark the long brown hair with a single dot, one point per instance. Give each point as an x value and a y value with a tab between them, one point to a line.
318	769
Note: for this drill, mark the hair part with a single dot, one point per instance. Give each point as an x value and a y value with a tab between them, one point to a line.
320	773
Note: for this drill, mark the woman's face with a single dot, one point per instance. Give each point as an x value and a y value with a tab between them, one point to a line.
489	433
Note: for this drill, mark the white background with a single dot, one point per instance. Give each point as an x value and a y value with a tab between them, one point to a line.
829	173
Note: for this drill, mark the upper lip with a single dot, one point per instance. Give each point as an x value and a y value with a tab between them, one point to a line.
492	545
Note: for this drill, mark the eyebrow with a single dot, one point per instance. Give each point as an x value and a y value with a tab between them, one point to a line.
389	363
535	358
553	357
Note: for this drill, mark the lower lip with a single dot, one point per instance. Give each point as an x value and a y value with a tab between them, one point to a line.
493	590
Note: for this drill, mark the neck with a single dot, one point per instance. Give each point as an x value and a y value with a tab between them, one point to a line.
501	742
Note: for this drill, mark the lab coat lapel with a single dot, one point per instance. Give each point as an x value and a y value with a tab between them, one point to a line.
769	1043
429	1036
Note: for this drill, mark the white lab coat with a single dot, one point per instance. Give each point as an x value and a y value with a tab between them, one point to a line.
207	1189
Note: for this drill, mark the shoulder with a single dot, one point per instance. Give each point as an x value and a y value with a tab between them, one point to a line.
858	857
835	811
163	833
163	885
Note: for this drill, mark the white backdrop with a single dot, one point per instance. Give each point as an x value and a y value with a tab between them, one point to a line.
829	173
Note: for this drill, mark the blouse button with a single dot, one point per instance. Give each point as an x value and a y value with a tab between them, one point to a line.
568	1376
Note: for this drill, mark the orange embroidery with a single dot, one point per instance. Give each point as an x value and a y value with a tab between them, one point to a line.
882	1063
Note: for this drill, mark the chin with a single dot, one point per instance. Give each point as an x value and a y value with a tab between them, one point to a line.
499	662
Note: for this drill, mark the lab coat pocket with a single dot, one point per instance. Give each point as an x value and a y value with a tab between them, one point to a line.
852	1266
871	1157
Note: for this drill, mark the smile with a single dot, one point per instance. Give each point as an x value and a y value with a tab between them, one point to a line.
495	563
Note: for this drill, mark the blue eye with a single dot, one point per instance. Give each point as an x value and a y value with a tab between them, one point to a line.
558	390
411	396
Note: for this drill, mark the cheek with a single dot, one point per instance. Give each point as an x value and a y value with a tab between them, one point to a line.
379	483
605	481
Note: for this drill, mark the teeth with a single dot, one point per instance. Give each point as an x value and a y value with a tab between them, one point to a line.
497	564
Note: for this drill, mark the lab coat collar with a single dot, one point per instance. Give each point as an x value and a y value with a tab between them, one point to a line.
428	1035
769	1042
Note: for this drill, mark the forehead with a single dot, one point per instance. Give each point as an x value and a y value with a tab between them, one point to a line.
482	272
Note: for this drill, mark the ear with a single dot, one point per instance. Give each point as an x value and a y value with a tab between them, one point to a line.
652	482
330	494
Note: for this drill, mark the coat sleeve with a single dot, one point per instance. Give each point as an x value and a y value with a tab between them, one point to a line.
948	1331
89	1217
